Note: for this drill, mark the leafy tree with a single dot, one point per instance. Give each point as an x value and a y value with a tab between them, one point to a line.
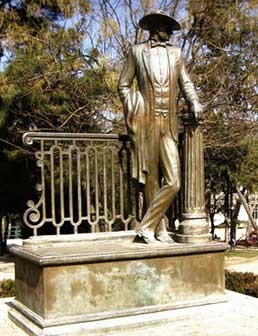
221	47
42	75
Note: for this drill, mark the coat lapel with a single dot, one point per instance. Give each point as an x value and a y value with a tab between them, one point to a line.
147	61
172	59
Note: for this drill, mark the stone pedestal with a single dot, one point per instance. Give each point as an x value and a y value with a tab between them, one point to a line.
194	227
67	284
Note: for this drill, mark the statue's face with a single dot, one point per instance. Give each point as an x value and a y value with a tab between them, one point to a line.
163	32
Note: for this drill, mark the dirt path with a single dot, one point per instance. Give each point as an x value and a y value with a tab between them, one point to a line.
6	267
237	264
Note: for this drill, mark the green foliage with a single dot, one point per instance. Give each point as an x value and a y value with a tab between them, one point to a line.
245	283
248	168
223	48
49	82
252	289
7	288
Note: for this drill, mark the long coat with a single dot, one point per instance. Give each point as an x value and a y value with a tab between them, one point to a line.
139	113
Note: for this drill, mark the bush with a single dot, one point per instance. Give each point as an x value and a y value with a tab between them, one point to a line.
252	290
245	283
7	288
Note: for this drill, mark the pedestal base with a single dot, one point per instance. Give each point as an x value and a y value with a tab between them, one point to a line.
192	239
67	285
193	229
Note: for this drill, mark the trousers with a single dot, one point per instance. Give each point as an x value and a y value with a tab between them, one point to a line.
162	157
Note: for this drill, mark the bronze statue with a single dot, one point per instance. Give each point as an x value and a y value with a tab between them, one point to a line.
151	118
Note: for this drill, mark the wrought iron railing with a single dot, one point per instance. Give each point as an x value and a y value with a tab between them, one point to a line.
85	183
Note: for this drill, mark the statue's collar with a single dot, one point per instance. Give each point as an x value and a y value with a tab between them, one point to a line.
153	43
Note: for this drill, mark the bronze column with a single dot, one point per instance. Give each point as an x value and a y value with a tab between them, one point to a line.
194	227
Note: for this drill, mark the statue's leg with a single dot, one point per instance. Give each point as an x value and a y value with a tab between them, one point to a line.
170	165
168	155
152	185
161	229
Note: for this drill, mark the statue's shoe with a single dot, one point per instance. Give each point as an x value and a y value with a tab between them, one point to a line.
164	237
147	236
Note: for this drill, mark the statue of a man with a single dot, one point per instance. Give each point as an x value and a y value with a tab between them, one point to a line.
151	118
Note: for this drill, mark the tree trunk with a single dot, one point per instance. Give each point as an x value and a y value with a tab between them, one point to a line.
252	207
1	236
234	216
4	227
212	214
247	209
247	234
226	233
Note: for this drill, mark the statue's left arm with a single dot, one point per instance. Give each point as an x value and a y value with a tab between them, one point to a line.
127	76
189	92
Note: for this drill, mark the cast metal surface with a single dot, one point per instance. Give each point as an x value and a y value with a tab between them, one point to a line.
151	119
85	182
194	226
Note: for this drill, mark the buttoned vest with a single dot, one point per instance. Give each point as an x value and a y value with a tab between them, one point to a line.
161	89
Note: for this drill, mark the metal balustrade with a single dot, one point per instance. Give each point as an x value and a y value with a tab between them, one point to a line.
85	182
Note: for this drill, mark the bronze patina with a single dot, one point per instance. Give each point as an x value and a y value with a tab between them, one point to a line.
151	118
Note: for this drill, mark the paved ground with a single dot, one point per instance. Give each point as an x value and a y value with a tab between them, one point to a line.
7	327
237	317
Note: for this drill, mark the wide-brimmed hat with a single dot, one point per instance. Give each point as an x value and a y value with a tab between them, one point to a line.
155	18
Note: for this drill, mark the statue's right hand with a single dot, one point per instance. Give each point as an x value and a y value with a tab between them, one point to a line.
199	119
197	110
